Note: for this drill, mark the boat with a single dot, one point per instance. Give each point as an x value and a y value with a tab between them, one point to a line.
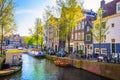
61	63
36	53
57	62
9	71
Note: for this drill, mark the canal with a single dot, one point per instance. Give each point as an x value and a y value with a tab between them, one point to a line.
43	69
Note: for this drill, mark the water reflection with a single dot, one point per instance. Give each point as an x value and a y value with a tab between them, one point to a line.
42	69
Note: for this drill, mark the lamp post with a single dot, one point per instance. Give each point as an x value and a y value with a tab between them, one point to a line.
77	47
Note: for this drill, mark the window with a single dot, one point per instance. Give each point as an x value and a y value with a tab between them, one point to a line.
79	26
112	25
88	37
88	28
82	36
113	40
82	25
118	7
75	36
79	36
97	50
76	28
72	36
104	50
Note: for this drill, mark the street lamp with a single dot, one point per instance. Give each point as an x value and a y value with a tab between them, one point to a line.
77	47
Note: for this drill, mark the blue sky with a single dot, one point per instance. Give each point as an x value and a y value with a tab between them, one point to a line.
26	11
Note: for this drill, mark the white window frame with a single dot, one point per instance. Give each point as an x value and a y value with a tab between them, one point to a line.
97	50
118	7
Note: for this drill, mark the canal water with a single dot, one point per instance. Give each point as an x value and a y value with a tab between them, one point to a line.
43	69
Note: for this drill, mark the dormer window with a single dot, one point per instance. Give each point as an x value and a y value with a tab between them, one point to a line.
118	7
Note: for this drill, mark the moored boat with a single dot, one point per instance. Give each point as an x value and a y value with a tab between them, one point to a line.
36	53
59	62
9	71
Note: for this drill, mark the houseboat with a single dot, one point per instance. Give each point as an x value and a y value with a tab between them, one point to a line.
13	62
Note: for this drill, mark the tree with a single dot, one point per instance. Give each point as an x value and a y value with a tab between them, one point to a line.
31	41
26	39
6	18
71	13
100	30
38	32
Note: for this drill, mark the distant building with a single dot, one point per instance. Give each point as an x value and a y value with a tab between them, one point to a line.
51	37
16	40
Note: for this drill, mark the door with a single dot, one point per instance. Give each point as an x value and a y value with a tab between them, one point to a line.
15	60
113	47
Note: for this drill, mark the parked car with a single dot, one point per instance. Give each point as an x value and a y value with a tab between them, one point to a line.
61	53
51	52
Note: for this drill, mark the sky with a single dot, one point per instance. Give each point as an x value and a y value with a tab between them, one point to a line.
26	11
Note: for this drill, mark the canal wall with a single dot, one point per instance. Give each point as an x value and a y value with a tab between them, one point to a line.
108	70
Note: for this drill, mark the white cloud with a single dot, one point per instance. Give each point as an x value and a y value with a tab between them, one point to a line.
93	4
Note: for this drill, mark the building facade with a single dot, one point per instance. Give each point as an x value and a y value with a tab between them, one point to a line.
16	40
112	17
81	37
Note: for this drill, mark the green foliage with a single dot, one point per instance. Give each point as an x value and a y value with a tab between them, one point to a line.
100	30
2	55
70	13
7	21
26	39
37	34
30	41
80	52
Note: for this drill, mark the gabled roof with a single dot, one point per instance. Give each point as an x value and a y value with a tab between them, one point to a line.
110	8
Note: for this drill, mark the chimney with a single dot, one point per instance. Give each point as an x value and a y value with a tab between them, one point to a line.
102	3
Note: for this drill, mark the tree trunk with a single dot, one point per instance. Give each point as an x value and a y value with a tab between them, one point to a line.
100	32
69	36
37	41
100	47
68	45
1	40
